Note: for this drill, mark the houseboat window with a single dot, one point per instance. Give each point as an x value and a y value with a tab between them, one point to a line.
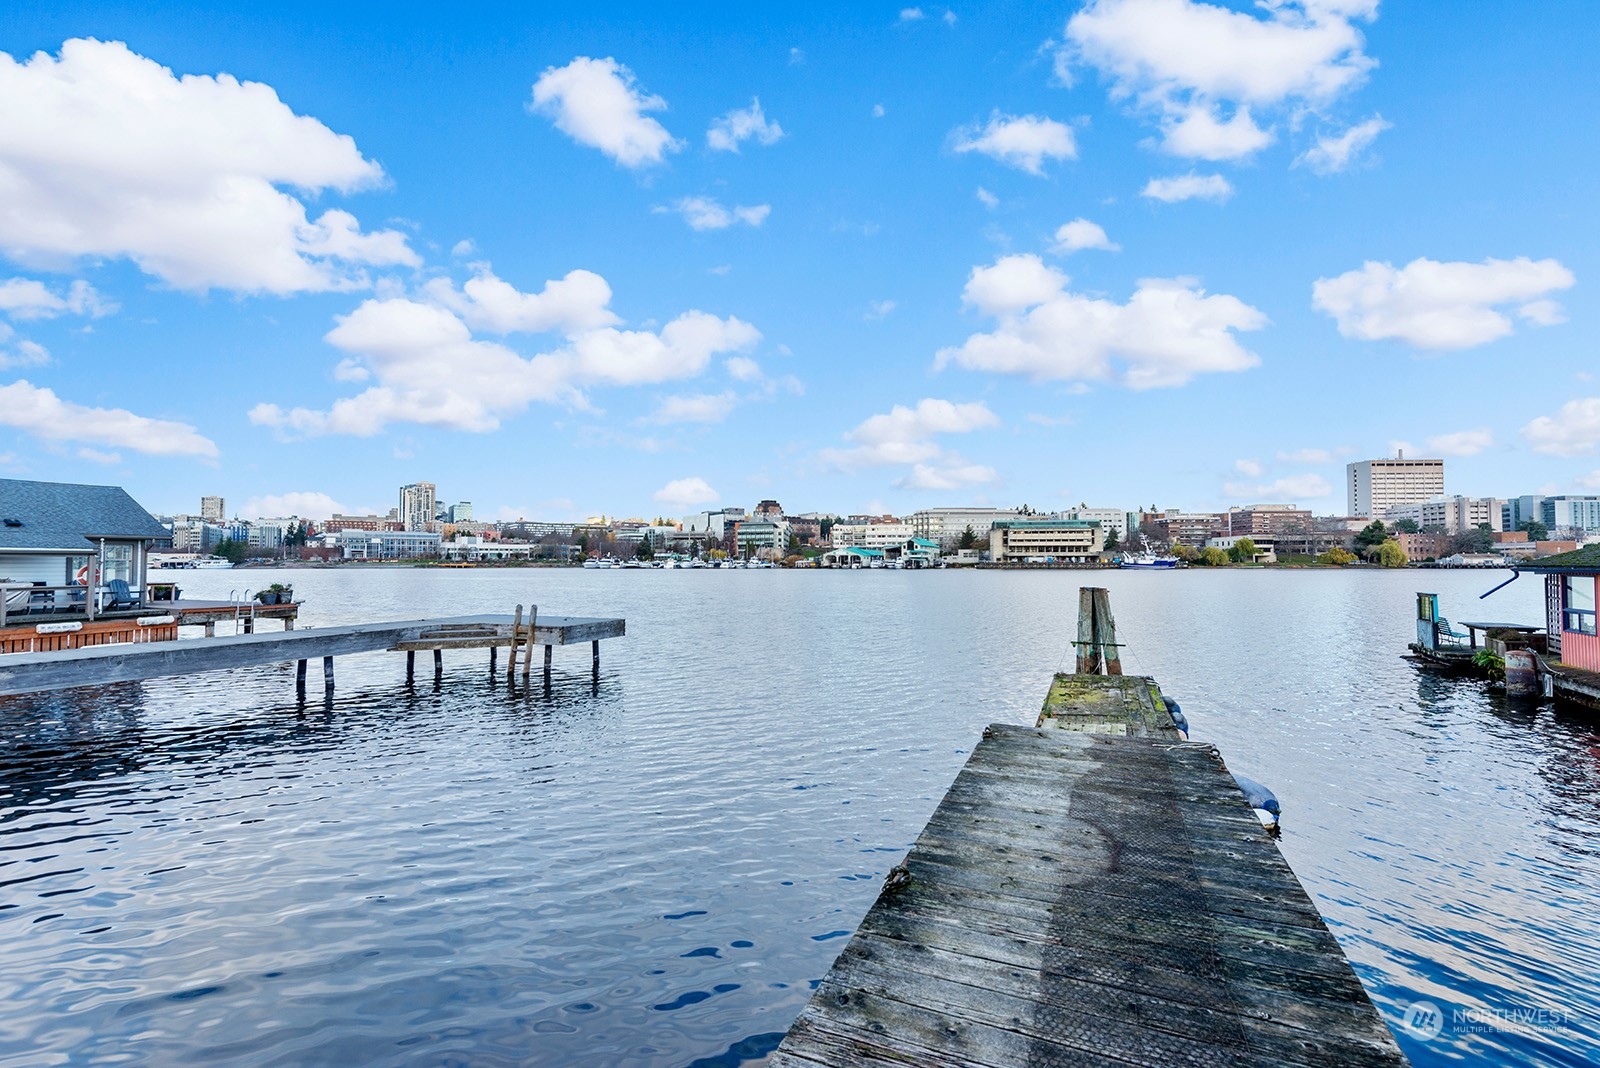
117	563
1577	597
76	566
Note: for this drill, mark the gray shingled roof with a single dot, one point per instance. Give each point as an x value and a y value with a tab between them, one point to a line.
1584	559
60	515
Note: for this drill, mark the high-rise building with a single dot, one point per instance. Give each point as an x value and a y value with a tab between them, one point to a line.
461	513
418	504
1450	515
1570	512
213	509
1375	486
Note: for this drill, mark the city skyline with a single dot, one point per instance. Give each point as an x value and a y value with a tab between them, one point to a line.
876	260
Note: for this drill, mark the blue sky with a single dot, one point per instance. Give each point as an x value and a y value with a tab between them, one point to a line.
823	256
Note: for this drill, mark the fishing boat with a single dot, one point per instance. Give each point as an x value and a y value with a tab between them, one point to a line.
1147	560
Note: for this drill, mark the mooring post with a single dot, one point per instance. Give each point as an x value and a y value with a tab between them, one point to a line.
327	673
411	665
438	664
1088	653
1105	632
300	678
494	655
511	660
549	651
527	652
596	668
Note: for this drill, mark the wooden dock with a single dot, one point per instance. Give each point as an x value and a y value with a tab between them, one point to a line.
101	665
1091	891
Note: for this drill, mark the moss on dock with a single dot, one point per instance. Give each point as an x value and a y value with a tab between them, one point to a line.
1129	705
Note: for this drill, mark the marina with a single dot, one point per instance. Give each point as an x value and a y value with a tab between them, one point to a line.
458	844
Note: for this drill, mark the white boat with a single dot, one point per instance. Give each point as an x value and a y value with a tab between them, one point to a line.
1147	560
593	562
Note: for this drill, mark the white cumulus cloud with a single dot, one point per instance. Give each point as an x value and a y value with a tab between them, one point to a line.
1021	141
29	298
697	408
1572	431
596	103
1184	63
1169	331
1433	305
686	493
1081	234
911	14
1188	187
104	153
425	366
706	213
1291	488
306	504
39	412
571	305
1332	154
905	436
1460	443
743	124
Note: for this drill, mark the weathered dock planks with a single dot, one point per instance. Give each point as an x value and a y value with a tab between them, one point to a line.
105	664
1093	895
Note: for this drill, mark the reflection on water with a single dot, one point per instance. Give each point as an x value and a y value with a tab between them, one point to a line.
655	870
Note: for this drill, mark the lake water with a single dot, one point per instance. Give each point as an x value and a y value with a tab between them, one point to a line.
655	871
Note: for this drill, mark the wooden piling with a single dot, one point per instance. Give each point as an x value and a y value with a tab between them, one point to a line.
300	677
596	668
549	652
527	654
411	665
438	664
1098	651
327	673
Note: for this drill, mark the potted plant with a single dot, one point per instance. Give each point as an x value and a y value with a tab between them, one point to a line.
277	593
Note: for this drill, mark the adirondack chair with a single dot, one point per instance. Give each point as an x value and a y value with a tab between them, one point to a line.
41	600
118	595
1448	635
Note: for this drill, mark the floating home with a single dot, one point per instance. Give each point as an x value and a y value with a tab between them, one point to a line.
1570	584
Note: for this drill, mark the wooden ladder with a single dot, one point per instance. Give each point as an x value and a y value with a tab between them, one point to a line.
522	637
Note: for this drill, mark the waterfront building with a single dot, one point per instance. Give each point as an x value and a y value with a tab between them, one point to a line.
1256	520
807	528
1424	546
1266	546
1450	515
337	522
59	539
213	509
1571	582
473	548
1569	512
715	524
871	535
1071	541
1110	519
946	525
1194	529
1375	486
852	556
755	535
529	530
1515	511
385	544
419	504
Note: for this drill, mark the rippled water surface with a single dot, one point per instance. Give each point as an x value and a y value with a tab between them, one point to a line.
655	870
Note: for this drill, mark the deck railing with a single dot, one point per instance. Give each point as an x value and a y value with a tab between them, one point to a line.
20	603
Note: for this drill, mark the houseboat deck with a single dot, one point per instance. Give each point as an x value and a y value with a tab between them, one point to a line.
101	664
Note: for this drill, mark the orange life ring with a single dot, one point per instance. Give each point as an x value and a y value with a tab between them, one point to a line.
83	575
